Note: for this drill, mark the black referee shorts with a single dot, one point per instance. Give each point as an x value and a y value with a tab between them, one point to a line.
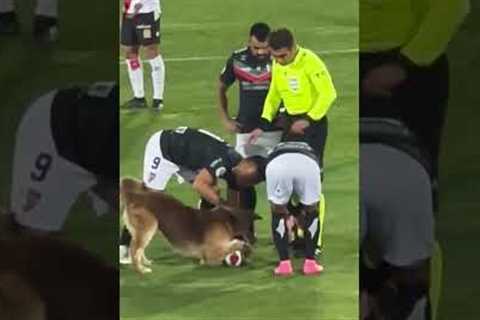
315	135
140	30
420	102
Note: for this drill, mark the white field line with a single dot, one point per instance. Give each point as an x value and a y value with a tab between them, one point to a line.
212	58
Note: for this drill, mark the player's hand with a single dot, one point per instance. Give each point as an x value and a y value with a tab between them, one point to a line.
381	80
232	126
299	126
254	135
137	7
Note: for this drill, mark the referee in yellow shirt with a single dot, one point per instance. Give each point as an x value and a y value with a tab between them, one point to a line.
302	83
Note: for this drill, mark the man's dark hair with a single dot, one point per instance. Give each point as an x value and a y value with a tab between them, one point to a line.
281	38
260	30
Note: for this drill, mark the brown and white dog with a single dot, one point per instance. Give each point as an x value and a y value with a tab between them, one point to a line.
207	235
42	278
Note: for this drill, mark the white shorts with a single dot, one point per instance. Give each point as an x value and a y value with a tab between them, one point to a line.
396	207
44	185
261	147
157	170
293	173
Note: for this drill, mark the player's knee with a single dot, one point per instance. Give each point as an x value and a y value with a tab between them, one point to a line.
279	210
131	52
151	51
134	63
311	209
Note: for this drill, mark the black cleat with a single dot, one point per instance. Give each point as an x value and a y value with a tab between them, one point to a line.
137	103
157	104
45	29
8	23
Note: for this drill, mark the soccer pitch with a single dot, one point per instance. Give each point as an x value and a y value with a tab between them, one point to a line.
197	38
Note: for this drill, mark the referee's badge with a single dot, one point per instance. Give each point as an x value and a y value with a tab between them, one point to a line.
294	84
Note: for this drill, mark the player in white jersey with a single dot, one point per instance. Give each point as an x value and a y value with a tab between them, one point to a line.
141	28
45	21
65	146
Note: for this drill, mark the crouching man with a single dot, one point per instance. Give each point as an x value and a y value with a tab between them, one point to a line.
293	169
201	158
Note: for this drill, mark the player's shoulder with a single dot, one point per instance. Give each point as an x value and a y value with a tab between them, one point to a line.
240	54
311	59
308	55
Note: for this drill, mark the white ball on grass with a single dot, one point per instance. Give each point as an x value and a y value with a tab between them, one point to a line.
234	259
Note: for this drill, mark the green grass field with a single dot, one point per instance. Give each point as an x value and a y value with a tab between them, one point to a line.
196	40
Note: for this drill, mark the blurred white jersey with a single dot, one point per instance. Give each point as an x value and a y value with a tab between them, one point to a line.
147	6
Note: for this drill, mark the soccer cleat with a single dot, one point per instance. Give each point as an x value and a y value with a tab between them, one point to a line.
137	103
8	23
124	254
284	269
45	29
157	104
311	267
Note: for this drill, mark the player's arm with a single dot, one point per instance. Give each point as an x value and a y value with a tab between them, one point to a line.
270	109
323	84
272	101
437	28
206	185
226	79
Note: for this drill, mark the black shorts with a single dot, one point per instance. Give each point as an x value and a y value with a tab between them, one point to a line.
315	135
140	30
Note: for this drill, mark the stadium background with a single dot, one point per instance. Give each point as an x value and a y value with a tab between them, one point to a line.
197	38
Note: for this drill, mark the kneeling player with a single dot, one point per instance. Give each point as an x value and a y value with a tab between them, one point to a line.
201	158
293	169
66	144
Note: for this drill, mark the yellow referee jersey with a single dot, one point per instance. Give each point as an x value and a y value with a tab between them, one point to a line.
421	28
304	85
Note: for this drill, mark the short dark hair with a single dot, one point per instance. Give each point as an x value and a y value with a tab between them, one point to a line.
281	38
260	30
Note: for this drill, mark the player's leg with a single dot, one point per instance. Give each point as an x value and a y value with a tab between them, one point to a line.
157	171
130	45
400	227
279	190
150	39
45	25
8	18
307	186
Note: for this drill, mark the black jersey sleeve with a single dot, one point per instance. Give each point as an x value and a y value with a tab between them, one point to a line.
227	75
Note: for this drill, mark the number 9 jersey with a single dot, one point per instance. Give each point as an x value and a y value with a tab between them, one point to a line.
66	144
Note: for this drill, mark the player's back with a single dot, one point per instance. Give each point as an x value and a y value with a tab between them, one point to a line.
84	127
192	148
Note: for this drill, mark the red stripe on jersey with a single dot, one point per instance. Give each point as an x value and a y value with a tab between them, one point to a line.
126	5
244	75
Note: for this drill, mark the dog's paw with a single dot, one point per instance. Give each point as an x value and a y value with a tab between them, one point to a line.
147	262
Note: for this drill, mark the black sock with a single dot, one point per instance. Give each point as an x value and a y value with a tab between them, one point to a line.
280	235
249	201
125	237
311	233
204	204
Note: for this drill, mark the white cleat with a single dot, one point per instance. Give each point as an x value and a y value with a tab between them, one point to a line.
124	255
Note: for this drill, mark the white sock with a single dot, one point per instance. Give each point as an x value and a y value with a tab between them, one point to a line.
6	6
158	76
48	8
135	73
